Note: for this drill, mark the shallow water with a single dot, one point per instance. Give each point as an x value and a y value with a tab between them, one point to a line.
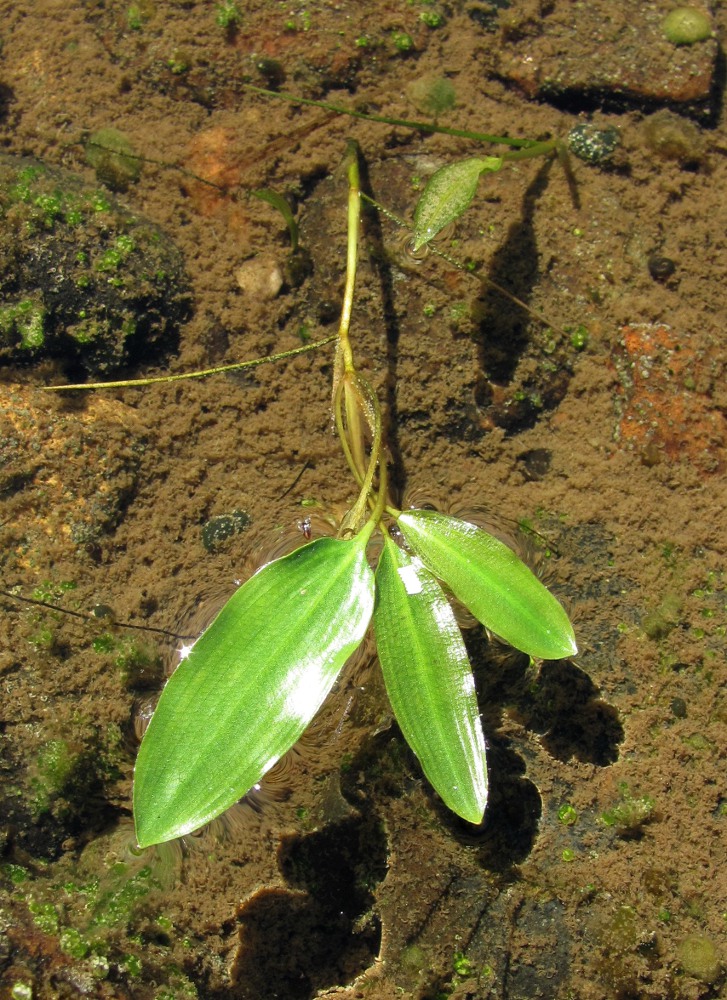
597	872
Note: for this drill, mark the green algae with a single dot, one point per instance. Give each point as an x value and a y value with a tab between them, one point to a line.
629	814
81	277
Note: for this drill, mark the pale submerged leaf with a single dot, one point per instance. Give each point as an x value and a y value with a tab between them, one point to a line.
448	194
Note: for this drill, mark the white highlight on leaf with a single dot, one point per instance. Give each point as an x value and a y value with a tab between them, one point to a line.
468	683
306	686
410	578
266	767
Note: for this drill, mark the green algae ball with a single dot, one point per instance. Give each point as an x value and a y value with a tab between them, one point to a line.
686	25
698	957
432	95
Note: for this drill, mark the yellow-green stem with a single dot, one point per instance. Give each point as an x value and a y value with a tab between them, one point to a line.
359	398
380	504
237	366
354	208
351	393
537	149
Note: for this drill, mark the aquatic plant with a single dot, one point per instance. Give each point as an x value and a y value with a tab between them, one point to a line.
246	690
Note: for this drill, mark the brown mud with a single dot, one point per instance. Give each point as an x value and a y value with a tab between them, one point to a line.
599	869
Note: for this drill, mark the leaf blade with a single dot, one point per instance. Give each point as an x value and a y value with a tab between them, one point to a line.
448	194
429	681
250	685
489	579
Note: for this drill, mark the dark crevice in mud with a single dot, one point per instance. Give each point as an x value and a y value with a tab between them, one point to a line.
577	101
718	88
7	98
308	183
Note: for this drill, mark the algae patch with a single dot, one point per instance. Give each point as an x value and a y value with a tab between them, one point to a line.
82	277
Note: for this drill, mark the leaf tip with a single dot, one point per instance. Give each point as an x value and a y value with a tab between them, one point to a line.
144	838
474	815
565	641
420	239
149	834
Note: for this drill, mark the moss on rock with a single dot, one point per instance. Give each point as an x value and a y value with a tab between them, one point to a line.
81	277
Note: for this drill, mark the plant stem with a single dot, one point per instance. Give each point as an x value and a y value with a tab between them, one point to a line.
237	366
350	162
458	133
344	369
352	394
536	149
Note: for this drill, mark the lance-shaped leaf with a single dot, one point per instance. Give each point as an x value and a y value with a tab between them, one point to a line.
448	194
429	680
490	580
250	685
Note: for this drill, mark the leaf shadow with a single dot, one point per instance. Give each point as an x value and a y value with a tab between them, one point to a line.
503	325
523	366
559	702
296	941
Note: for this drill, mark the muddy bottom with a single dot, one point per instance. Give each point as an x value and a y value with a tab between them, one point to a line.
559	366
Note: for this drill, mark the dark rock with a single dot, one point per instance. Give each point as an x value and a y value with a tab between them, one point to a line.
593	144
535	463
81	277
661	268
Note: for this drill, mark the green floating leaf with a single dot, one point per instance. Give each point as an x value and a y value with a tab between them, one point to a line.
448	194
429	681
489	579
250	685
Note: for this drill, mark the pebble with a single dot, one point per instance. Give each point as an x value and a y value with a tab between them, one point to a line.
260	278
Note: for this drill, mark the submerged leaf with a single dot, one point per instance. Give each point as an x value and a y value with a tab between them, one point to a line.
279	202
429	680
489	579
250	685
448	194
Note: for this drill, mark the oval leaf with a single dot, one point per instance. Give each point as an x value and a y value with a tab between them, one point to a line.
489	579
250	685
429	681
448	194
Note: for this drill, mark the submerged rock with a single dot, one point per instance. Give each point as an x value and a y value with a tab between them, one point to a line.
82	277
609	53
